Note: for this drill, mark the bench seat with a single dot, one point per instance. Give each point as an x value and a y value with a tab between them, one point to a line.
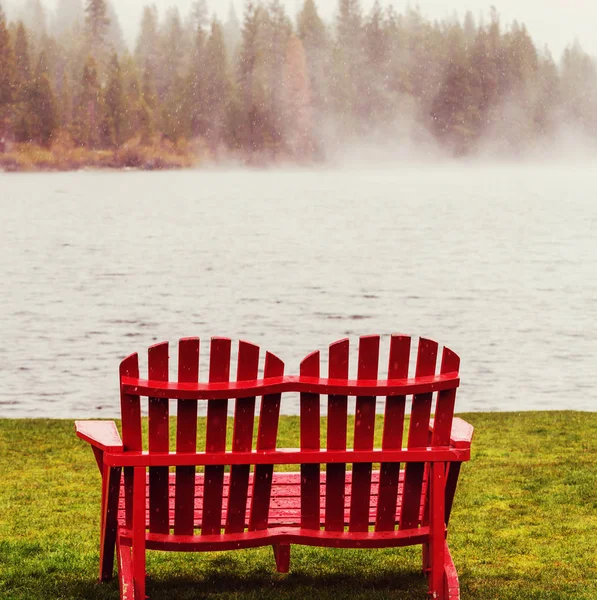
285	505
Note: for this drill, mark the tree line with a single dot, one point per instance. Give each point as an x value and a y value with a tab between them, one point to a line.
269	87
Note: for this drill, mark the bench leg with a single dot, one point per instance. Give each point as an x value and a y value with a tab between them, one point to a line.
110	493
437	542
282	556
138	553
451	577
125	571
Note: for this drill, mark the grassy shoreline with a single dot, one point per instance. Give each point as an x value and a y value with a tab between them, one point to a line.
151	155
65	156
524	524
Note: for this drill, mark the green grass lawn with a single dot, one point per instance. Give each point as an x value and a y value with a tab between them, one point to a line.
524	524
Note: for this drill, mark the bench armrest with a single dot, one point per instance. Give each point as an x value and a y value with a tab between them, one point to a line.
462	433
102	435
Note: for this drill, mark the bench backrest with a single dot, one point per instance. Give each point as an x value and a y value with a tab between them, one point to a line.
220	387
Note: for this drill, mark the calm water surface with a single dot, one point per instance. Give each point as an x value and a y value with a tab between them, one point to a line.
499	263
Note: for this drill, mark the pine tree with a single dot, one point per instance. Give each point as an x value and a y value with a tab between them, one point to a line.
55	58
172	72
175	49
114	35
260	129
147	49
485	73
66	102
217	85
250	55
88	107
44	112
312	33
199	16
348	63
7	82
470	29
455	116
138	120
425	58
97	23
148	58
275	30
375	103
349	23
264	120
515	116
310	27
114	121
22	59
548	96
398	73
23	82
74	51
579	87
520	59
195	84
298	115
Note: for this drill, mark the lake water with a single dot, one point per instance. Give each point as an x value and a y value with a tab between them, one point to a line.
497	262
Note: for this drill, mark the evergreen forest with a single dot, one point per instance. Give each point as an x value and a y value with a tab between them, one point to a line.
263	87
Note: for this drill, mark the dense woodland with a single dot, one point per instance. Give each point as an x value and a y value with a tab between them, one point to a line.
265	87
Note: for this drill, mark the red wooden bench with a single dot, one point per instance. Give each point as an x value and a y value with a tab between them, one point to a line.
146	506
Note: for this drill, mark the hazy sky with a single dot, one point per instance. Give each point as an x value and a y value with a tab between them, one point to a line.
555	22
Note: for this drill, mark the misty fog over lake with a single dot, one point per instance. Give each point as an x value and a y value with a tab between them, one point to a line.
496	261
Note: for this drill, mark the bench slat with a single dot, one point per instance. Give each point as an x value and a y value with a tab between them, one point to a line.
289	383
364	432
286	456
310	440
393	428
285	504
282	536
159	440
267	434
132	439
336	439
442	426
418	436
186	436
242	439
287	484
215	441
444	407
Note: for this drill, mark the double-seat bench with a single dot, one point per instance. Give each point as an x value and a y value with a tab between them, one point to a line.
196	490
